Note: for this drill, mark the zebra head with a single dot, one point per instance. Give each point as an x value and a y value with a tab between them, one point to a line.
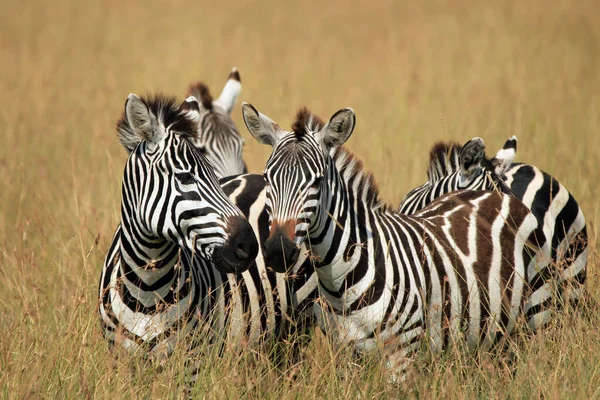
218	138
476	171
170	191
298	174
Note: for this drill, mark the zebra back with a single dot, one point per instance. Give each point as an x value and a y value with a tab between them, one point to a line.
556	210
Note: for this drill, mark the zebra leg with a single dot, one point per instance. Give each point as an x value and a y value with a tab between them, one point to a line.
399	362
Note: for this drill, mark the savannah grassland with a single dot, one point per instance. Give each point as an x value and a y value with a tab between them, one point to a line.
414	74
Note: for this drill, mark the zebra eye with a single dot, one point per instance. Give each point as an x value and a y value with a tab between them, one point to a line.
201	149
318	181
185	178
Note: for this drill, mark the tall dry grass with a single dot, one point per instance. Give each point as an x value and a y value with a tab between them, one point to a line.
414	73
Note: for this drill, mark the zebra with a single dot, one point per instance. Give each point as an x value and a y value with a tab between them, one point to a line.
274	299
218	138
154	287
453	167
471	262
265	304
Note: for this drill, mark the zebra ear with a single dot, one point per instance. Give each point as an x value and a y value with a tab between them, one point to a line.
505	156
470	155
338	129
192	108
190	104
143	124
260	126
231	91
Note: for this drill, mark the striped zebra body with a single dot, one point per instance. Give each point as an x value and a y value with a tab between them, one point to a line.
249	308
468	265
556	210
273	301
153	318
561	219
155	287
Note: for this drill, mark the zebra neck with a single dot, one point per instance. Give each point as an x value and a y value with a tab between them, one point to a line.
149	259
337	238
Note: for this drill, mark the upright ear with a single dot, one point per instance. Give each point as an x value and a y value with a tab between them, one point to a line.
505	156
231	91
260	126
192	108
338	129
143	124
190	104
470	155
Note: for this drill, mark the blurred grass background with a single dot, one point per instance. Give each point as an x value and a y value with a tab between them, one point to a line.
414	73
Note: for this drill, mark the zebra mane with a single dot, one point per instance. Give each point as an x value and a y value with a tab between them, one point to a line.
306	122
200	91
357	178
167	111
443	160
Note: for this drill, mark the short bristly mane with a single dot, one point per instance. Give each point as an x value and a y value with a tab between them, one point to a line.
352	169
168	113
443	160
306	122
200	91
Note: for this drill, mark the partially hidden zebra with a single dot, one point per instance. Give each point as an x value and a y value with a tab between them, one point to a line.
273	299
454	167
155	288
268	303
469	264
218	138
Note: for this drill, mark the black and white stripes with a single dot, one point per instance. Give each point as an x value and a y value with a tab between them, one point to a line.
465	265
218	138
154	289
453	167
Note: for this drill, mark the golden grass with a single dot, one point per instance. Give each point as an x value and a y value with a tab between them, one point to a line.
414	73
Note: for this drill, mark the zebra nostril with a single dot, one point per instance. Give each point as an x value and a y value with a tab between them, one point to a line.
241	250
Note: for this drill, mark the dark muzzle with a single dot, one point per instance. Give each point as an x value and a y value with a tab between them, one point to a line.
239	252
280	252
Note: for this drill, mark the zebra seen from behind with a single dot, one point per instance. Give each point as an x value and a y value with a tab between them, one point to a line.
467	264
154	288
218	138
454	167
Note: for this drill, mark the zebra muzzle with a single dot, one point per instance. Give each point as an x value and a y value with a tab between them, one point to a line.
280	251
240	250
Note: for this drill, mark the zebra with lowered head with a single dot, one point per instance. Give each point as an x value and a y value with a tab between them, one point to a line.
218	138
454	167
154	287
468	265
269	299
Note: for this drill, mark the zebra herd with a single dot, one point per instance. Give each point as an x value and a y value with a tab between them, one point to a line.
483	243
